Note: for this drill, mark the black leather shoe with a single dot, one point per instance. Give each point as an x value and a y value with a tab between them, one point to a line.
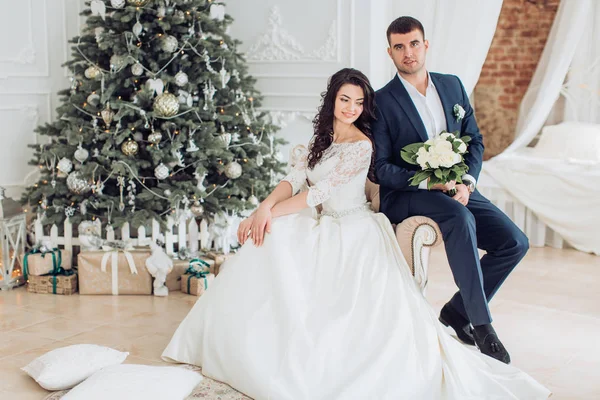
450	317
488	343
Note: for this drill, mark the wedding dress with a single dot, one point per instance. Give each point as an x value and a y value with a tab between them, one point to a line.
327	309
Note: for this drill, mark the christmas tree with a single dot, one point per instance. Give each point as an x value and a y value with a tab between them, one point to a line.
161	119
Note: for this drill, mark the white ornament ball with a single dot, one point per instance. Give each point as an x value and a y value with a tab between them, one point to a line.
137	69
117	3
155	137
169	44
260	160
65	165
253	200
81	154
233	170
93	99
161	171
117	61
181	79
77	184
167	192
92	72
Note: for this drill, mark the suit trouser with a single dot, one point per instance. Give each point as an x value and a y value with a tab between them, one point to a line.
464	229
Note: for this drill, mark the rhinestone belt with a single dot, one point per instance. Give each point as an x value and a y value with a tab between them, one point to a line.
343	213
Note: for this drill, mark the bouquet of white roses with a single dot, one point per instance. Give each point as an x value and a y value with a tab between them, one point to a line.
440	159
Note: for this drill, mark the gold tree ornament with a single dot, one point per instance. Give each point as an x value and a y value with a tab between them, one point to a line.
107	115
166	105
130	147
92	72
137	3
197	209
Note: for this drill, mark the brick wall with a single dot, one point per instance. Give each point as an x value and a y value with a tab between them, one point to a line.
521	34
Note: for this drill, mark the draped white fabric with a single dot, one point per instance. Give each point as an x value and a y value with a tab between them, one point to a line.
558	180
545	87
459	32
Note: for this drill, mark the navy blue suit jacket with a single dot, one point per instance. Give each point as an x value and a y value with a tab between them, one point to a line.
399	124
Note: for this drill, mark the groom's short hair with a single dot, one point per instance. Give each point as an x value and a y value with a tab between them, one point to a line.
404	25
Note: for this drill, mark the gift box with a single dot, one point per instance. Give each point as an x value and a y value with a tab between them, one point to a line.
42	263
114	272
219	259
64	283
196	283
173	281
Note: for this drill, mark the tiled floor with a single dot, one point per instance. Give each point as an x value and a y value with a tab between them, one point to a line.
547	313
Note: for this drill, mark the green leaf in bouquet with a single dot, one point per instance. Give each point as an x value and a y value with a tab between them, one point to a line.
419	177
466	139
438	173
408	157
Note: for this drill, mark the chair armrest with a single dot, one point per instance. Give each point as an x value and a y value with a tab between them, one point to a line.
416	235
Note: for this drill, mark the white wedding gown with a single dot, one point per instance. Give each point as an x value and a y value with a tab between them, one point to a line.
327	309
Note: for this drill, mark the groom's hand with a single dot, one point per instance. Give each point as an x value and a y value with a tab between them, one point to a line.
462	194
444	188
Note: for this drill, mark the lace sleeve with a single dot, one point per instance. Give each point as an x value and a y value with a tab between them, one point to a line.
297	175
353	160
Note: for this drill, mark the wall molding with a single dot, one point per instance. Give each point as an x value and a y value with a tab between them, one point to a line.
278	45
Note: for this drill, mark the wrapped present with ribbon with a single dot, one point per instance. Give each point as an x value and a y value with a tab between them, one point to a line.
62	282
219	259
196	279
117	269
44	259
173	281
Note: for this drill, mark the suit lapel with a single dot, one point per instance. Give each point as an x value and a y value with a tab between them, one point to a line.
402	97
451	124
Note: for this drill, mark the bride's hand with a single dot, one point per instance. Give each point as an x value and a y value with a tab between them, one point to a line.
261	223
244	229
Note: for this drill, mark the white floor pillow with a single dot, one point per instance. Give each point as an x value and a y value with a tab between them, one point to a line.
136	382
65	367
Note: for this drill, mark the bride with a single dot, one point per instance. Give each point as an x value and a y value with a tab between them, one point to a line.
323	306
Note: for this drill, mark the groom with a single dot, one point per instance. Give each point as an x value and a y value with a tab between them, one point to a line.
413	107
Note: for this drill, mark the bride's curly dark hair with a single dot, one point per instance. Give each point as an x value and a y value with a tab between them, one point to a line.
323	121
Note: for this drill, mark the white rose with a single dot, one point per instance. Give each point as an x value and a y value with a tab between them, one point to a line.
462	148
446	135
422	157
457	158
447	160
442	146
430	141
434	159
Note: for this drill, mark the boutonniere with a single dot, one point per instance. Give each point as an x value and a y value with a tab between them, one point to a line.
459	112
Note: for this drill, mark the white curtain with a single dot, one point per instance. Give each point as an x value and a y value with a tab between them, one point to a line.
545	87
558	181
582	87
459	32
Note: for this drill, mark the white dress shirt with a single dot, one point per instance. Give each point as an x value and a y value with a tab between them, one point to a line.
431	111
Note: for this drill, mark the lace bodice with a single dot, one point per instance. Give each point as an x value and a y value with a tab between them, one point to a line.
338	180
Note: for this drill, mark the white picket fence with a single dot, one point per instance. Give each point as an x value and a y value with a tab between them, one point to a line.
186	233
